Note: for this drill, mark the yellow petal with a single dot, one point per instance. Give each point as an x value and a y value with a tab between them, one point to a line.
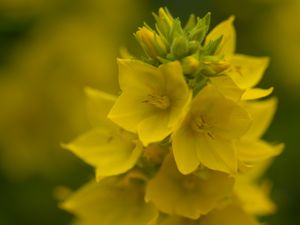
262	113
154	128
255	93
227	87
187	195
247	71
109	151
184	149
254	199
137	76
231	215
225	28
108	202
178	91
129	110
219	154
252	152
98	106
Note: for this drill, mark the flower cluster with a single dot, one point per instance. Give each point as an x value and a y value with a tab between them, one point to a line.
182	142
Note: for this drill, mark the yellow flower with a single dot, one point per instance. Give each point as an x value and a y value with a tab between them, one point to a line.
111	201
187	195
251	149
245	71
153	100
208	133
252	195
107	147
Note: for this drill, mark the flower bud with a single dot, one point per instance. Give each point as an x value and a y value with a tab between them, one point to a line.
214	68
151	42
180	47
189	64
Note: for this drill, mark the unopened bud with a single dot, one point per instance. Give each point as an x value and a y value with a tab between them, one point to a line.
180	47
214	68
189	64
151	42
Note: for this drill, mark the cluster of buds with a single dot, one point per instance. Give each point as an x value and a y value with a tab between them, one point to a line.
171	41
182	144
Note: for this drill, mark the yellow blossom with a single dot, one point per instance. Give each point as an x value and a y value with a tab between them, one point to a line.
208	133
187	195
251	149
111	201
153	100
253	196
107	147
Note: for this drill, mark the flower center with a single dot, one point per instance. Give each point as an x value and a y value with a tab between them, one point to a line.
161	102
200	125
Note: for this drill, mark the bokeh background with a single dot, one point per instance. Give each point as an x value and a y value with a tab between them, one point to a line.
51	49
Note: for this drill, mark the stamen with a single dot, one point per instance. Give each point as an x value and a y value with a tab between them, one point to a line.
161	102
200	125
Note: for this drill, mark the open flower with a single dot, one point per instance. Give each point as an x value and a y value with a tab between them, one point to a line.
107	147
208	133
187	195
153	100
111	201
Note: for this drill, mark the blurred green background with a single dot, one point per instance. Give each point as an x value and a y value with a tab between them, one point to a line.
51	49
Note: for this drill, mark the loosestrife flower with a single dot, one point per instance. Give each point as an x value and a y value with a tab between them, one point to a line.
181	144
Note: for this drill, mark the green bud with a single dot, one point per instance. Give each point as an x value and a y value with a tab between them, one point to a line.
164	22
211	68
190	64
190	23
212	46
200	29
180	47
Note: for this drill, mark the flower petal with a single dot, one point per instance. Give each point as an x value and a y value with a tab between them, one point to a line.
227	87
262	113
184	145
256	93
154	128
137	76
225	28
217	154
252	152
129	110
254	198
110	152
247	71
